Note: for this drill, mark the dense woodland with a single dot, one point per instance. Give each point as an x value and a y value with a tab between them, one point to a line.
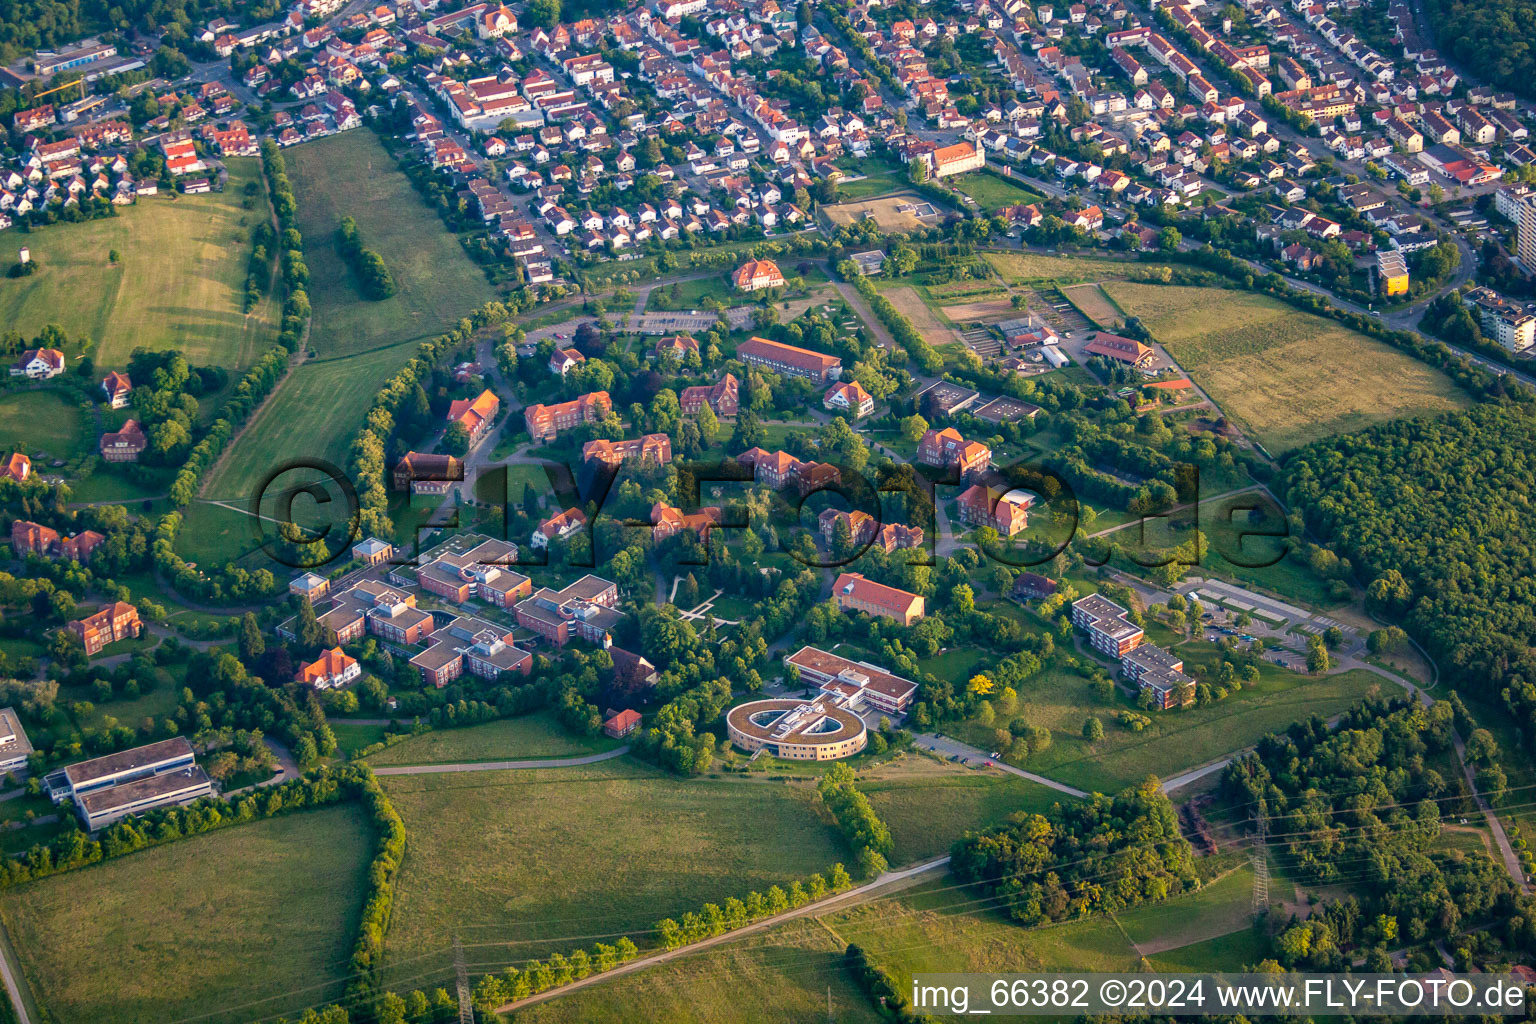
1437	516
1359	806
1091	856
1464	29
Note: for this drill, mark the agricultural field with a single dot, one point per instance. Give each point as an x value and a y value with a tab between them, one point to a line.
208	927
795	972
887	211
1176	740
528	857
352	175
178	283
911	305
992	191
1091	301
504	739
1025	267
42	422
1284	376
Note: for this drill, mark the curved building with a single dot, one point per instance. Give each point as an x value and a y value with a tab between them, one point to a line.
799	730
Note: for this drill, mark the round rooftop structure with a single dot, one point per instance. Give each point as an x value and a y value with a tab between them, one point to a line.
815	729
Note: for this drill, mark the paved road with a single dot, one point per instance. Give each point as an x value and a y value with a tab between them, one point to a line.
1195	774
1511	862
852	895
949	746
501	766
12	989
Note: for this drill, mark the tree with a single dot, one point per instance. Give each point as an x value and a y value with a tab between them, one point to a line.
1169	238
913	428
1093	730
252	643
1318	660
311	633
456	439
544	13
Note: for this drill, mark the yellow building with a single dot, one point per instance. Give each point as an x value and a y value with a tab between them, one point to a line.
1391	273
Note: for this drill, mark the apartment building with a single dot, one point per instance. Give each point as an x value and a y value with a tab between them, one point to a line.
1108	625
586	608
854	681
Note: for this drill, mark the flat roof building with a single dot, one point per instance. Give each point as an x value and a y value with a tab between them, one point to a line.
15	748
1107	624
108	789
819	730
871	684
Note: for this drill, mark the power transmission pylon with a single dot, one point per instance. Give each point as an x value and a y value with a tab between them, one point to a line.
1261	866
461	977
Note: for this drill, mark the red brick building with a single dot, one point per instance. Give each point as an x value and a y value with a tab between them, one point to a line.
790	360
945	448
855	593
723	397
546	422
117	621
1008	514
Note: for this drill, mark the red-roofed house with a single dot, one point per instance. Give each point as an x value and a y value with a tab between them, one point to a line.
332	669
18	467
125	444
789	360
545	422
723	397
755	275
117	387
944	448
39	364
1125	350
849	398
558	527
117	621
475	415
622	724
1007	513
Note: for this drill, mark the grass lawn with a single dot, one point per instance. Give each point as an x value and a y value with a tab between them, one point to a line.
179	282
42	422
1176	740
313	414
928	804
207	926
691	294
790	973
352	175
991	191
521	859
1284	376
879	178
502	740
120	483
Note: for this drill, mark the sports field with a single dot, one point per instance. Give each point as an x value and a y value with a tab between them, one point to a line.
1286	377
42	422
528	859
244	923
179	281
352	175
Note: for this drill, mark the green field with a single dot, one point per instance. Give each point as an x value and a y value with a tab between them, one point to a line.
359	344
788	976
501	740
992	192
179	281
352	175
526	860
1176	740
940	926
692	294
928	805
42	422
313	414
1284	376
209	927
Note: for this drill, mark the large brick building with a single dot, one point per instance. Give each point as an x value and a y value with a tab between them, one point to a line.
547	422
117	621
945	448
586	609
651	448
475	415
427	473
1008	514
790	360
724	397
855	593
